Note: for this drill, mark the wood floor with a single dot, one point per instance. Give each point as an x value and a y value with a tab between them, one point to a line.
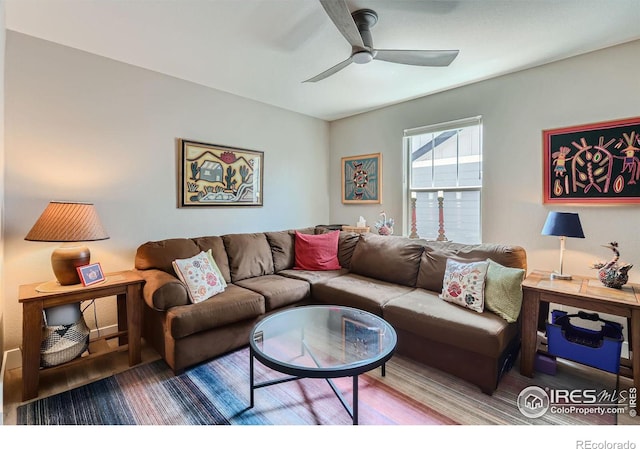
64	378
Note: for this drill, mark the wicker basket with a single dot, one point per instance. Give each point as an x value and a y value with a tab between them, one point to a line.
63	343
356	229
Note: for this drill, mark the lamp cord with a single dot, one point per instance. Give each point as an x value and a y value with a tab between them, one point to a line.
95	314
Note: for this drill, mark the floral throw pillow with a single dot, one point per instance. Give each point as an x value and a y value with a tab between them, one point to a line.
215	268
463	284
201	276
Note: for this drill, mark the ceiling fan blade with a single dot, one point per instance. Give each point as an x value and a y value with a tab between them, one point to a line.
427	58
327	73
339	13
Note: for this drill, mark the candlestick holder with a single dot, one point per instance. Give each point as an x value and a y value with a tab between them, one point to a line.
414	229
441	236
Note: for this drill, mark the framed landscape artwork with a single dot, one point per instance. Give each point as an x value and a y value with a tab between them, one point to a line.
594	163
362	179
216	175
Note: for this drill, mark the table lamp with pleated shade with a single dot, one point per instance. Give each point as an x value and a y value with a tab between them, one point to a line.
68	222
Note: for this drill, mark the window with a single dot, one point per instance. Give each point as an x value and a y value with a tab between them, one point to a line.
444	164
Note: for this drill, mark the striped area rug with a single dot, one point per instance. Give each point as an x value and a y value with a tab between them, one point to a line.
217	393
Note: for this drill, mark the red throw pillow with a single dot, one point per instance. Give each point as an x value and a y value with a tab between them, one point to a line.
317	252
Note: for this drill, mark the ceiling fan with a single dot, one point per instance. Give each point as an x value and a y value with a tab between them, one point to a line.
356	28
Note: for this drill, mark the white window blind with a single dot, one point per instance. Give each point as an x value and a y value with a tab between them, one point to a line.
445	161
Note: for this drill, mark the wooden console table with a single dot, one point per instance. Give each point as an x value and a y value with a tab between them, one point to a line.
584	293
125	285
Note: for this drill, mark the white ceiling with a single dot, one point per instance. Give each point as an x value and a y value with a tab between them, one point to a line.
264	49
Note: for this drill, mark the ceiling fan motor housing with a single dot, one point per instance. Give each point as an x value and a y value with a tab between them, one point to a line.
360	56
356	28
364	19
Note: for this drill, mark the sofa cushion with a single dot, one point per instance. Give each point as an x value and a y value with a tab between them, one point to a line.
249	255
216	245
422	313
388	258
201	276
233	305
278	291
346	246
282	245
463	284
317	252
162	253
313	276
434	259
358	291
282	249
503	291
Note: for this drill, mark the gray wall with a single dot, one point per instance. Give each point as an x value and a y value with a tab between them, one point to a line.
599	86
2	168
84	127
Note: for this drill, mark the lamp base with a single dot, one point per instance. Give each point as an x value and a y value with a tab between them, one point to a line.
65	260
561	276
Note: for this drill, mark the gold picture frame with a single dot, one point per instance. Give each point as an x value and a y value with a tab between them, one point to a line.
362	179
217	175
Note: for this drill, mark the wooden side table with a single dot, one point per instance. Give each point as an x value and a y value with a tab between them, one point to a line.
583	293
125	285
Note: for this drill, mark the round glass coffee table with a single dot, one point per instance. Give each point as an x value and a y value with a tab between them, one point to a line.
321	342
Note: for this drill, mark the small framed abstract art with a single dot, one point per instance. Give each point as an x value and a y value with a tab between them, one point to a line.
362	179
594	163
90	274
216	175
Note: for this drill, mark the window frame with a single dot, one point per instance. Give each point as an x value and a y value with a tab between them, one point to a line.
408	172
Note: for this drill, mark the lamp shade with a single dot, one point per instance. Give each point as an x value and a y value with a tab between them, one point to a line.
67	222
563	224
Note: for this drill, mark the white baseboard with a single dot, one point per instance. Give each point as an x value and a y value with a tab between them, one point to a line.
3	365
624	351
107	330
12	359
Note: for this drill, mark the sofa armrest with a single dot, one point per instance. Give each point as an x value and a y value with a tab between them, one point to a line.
162	290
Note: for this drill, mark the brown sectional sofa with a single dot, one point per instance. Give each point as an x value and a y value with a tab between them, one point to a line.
394	277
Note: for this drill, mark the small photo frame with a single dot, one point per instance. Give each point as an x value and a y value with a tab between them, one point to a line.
359	341
91	274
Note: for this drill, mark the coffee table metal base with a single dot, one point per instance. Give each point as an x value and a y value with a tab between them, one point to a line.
352	410
321	342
